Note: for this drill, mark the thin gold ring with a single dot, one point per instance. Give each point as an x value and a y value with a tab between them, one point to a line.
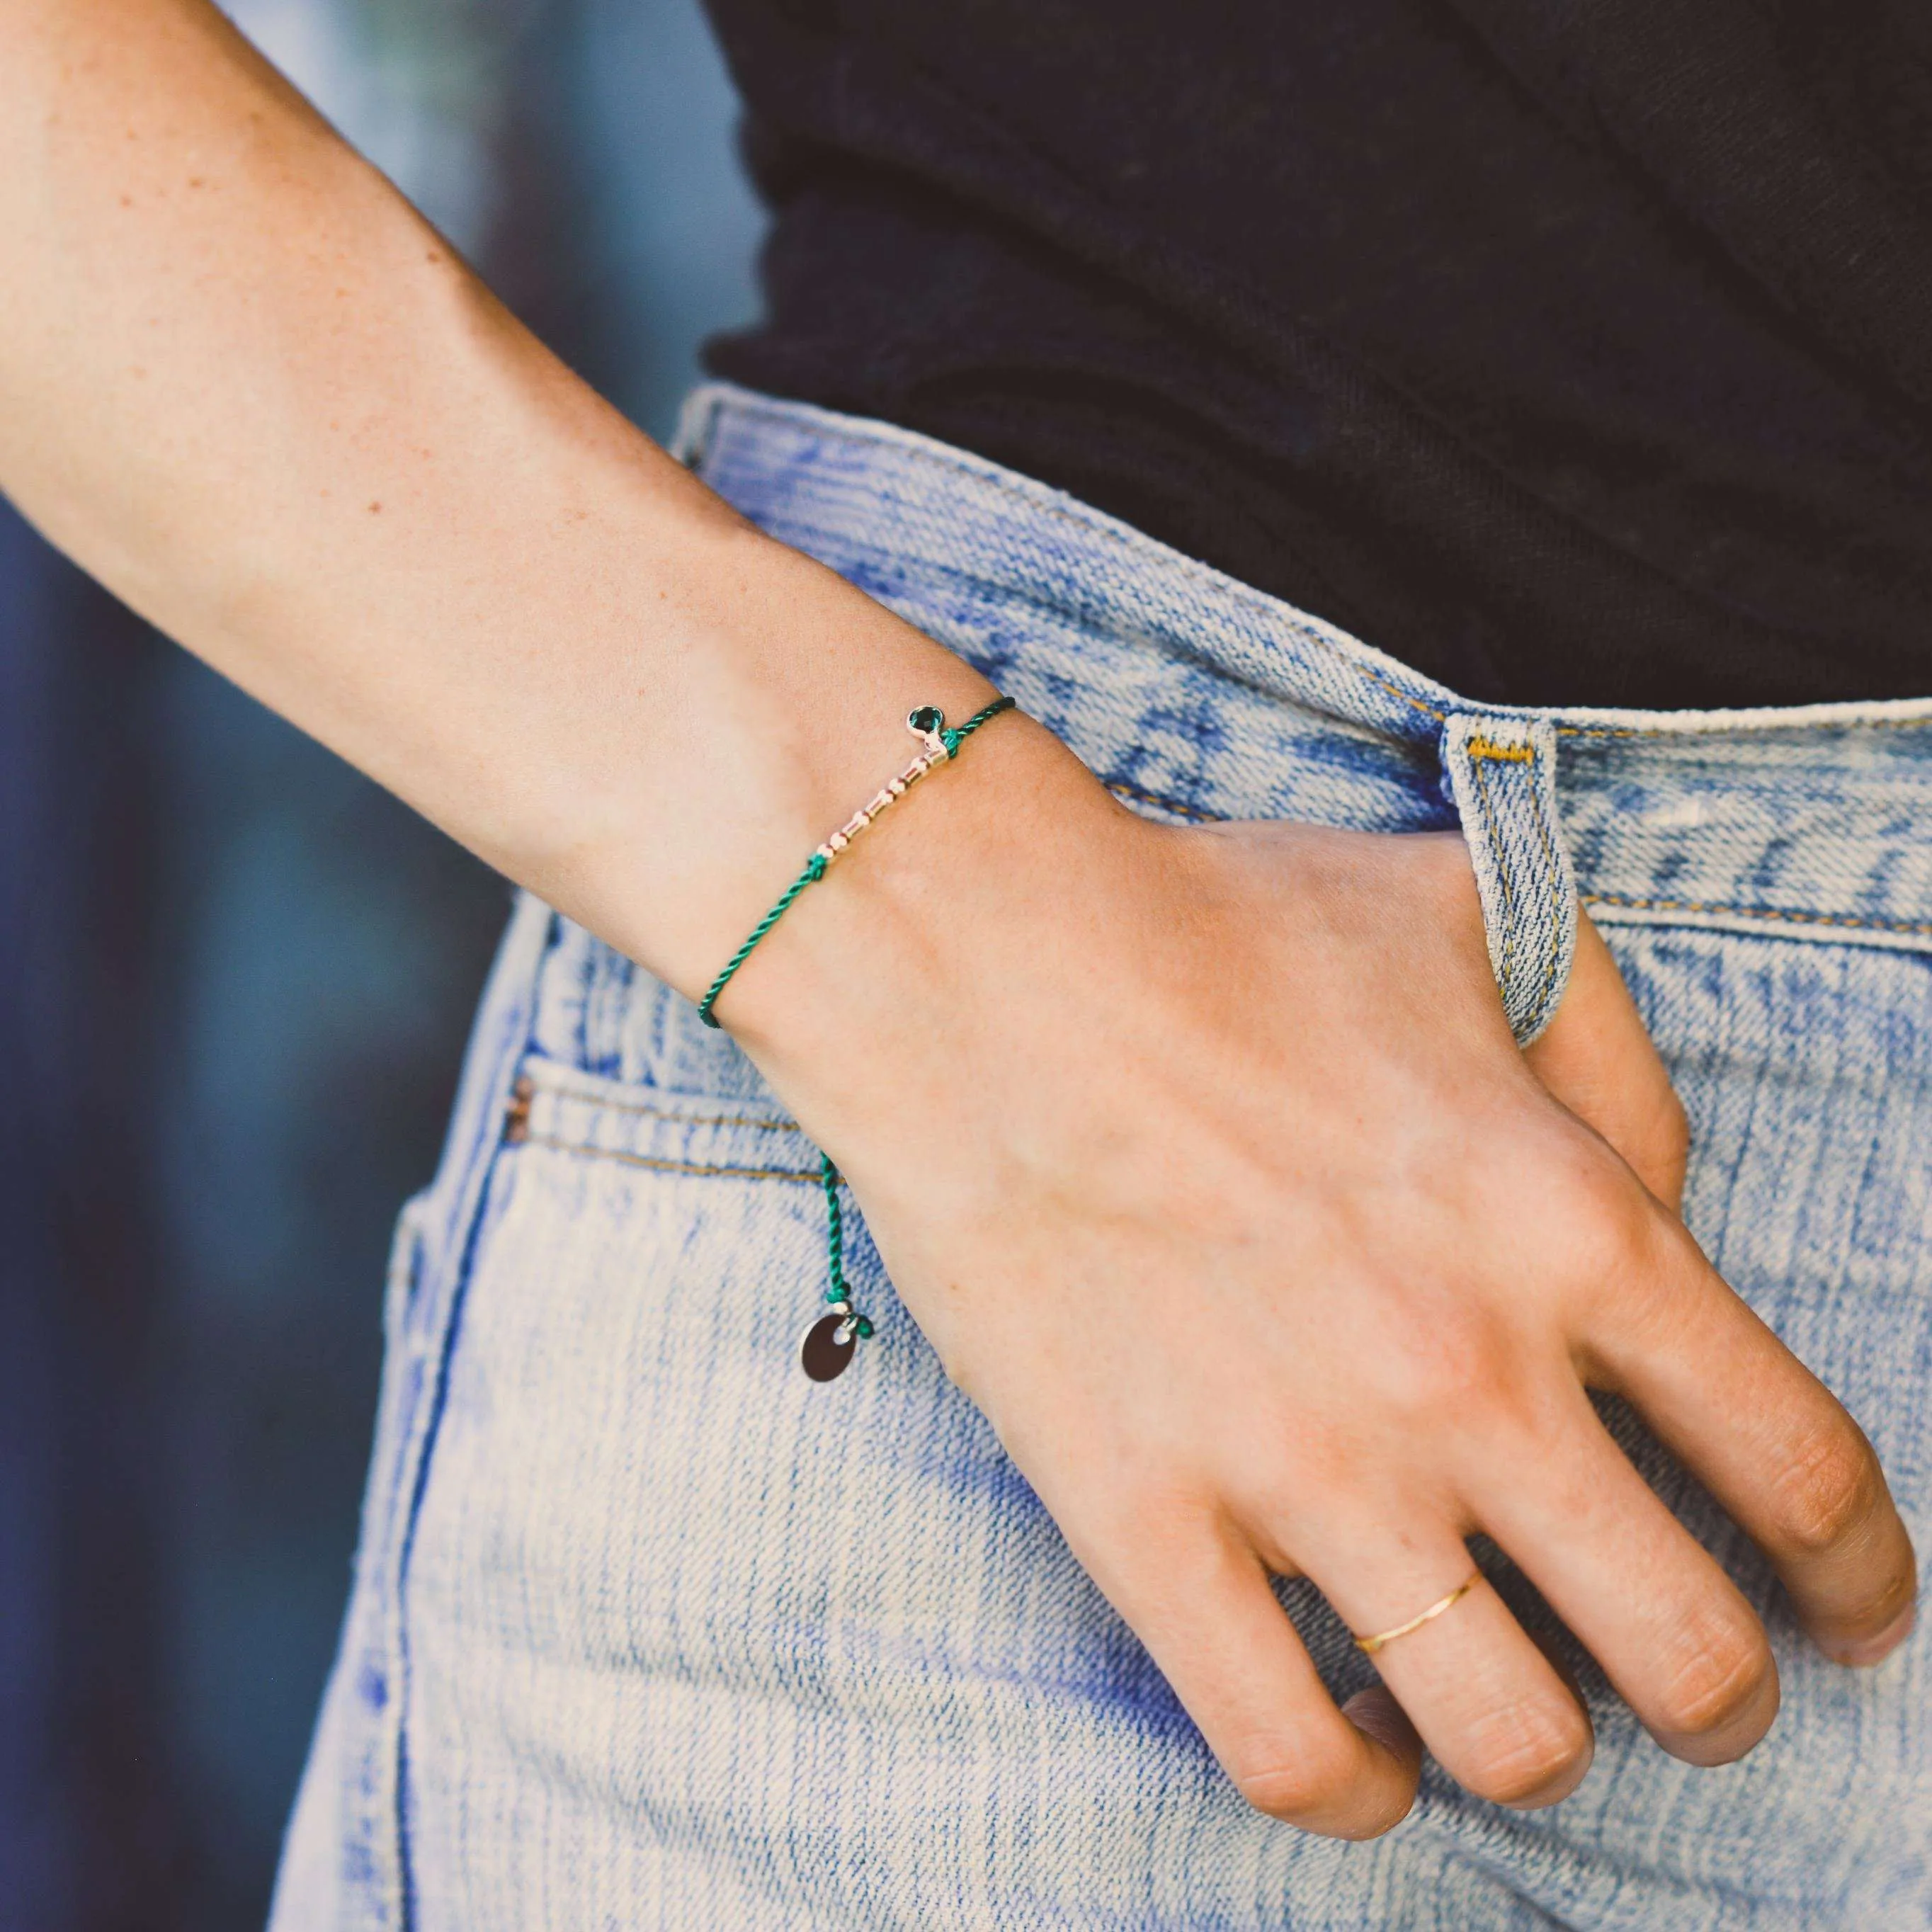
1372	1644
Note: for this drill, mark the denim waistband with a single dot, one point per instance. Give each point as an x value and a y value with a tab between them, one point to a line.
1812	824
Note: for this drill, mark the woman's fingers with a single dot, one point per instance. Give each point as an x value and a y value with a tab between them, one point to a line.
1767	1437
1204	1608
1597	1059
1669	1628
1486	1700
1770	1441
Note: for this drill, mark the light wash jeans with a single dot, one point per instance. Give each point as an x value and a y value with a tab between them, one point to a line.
648	1630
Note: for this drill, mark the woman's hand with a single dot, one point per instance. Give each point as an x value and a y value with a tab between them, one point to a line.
1207	1162
1204	1157
1595	1058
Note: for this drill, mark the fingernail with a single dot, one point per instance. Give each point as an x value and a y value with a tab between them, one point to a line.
1874	1649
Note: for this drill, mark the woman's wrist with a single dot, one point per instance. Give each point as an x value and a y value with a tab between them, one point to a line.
791	707
955	894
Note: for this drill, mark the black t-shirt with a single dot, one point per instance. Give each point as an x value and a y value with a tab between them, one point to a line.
1575	353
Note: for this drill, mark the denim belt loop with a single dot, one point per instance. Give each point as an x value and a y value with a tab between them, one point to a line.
1501	776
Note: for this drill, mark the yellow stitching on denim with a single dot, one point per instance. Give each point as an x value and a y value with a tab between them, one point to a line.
658	1165
1508	754
1494	834
1490	749
1375	677
1543	809
564	1090
1120	788
1848	920
1737	731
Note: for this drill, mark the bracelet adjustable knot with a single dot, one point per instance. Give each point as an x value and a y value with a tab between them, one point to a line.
828	1342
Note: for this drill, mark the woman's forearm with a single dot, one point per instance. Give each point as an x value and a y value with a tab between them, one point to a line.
1205	1156
243	383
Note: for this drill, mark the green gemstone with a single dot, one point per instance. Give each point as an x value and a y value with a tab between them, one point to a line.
925	720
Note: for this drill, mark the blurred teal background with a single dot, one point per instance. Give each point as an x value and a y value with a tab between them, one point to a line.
234	983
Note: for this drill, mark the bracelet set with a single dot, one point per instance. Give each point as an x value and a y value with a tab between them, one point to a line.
830	1342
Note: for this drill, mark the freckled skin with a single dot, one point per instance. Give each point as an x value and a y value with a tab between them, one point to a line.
1226	1193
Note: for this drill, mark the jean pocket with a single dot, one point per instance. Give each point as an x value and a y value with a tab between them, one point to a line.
655	1129
626	1210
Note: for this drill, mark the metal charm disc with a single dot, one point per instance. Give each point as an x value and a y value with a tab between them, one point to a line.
822	1355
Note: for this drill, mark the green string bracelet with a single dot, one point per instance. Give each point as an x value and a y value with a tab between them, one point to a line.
926	723
828	1342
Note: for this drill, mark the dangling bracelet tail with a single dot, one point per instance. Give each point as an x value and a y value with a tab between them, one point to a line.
829	1341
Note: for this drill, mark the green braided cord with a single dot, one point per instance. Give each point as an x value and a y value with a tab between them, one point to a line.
834	1246
814	871
838	1292
835	1237
953	739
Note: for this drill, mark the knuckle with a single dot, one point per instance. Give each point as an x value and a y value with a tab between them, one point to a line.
1461	1364
1715	1676
1456	1366
1610	1219
1524	1750
1578	1202
1829	1489
1294	1785
1887	1600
